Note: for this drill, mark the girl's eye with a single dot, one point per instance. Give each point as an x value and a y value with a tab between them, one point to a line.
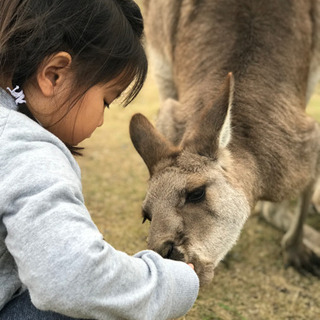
196	195
106	104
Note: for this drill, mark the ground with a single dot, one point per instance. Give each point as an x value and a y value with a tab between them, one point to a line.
250	284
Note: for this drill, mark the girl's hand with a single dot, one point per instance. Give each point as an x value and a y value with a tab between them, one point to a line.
191	265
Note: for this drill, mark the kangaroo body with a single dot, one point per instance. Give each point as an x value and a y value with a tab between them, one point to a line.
245	141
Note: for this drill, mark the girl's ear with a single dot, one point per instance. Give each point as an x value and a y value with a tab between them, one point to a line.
53	71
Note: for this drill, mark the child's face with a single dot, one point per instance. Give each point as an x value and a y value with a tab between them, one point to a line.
85	115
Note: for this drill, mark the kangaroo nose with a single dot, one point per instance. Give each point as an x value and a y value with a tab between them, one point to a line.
170	248
173	253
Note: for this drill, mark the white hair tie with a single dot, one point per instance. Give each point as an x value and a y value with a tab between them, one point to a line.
18	95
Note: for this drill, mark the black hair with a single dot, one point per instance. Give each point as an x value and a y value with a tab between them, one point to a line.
103	37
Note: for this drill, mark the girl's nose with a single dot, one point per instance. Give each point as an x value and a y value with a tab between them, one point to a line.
101	121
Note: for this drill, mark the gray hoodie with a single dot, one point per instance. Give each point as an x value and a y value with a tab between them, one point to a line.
50	245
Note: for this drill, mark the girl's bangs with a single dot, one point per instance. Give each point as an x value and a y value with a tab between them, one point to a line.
131	76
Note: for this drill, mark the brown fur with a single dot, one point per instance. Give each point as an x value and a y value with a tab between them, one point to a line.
267	150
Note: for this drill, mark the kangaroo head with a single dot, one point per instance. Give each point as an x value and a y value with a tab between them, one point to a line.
193	202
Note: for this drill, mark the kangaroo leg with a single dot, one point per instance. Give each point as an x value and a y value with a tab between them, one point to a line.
301	243
169	123
277	214
162	70
316	198
170	119
296	253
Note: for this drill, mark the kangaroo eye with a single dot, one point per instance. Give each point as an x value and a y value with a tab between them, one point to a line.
196	195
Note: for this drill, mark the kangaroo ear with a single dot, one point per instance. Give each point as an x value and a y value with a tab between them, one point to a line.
226	132
212	130
149	143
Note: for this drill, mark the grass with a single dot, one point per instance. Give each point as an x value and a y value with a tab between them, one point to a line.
251	284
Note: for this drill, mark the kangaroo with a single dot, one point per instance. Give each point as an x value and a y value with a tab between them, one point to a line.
234	78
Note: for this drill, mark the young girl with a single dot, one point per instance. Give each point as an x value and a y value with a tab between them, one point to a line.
71	59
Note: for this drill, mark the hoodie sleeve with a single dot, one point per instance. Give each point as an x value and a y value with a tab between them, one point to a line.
60	254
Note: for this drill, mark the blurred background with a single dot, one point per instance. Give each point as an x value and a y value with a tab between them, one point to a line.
251	283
